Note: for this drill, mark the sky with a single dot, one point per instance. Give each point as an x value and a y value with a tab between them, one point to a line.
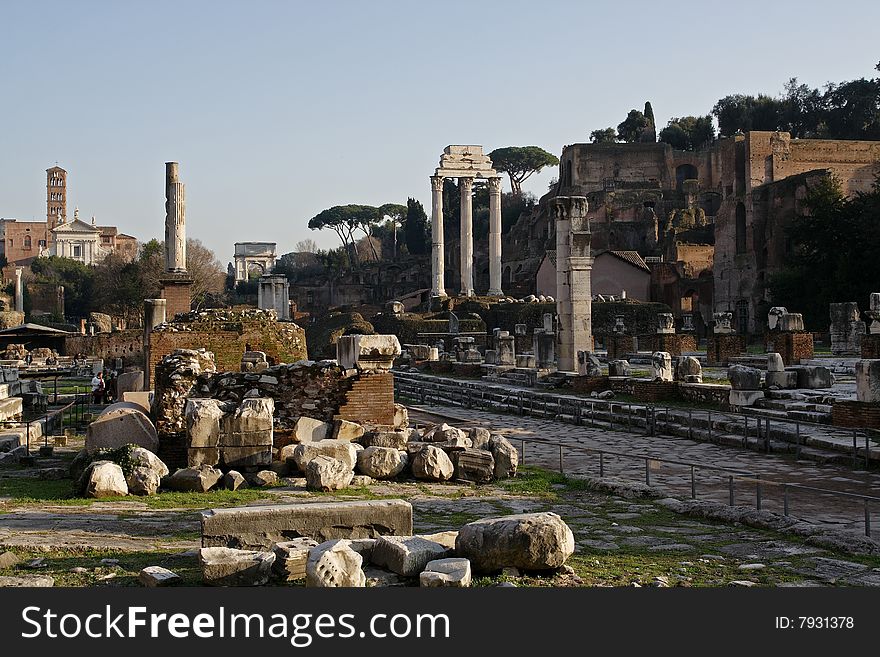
278	110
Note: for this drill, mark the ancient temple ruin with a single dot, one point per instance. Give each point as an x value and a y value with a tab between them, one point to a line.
466	163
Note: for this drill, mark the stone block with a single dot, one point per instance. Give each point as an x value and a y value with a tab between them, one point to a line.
431	463
526	361
142	399
105	479
476	465
661	366
203	422
367	352
868	381
528	541
233	480
327	474
345	430
197	480
382	462
335	564
480	437
774	315
155	576
262	526
782	380
455	572
119	426
505	455
619	368
689	370
401	417
775	363
341	450
196	456
814	376
230	567
395	439
307	430
291	558
406	555
129	382
744	378
745	397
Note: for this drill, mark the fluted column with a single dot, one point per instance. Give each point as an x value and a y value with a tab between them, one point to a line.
495	237
574	263
175	220
466	185
437	263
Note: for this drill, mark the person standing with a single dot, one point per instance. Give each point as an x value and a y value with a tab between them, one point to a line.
98	387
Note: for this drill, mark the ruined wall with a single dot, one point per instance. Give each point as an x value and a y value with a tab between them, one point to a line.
793	347
227	333
127	345
855	414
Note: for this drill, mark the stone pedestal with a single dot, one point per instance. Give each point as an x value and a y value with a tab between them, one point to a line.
871	346
673	343
505	349
545	349
273	293
176	290
846	329
619	346
793	347
720	347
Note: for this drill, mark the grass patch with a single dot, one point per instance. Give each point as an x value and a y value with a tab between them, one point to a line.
27	491
542	483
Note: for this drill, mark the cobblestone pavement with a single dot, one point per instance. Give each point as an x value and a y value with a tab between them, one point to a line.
842	512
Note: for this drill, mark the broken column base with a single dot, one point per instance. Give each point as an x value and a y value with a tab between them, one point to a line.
620	346
745	397
783	380
721	347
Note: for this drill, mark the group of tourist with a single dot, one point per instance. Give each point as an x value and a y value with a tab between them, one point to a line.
104	388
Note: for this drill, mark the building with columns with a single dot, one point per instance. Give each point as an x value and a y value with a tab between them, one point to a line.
466	163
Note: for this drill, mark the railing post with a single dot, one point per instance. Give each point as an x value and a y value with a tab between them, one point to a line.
561	465
730	484
767	434
647	472
855	448
601	465
610	407
710	426
867	451
693	484
867	520
592	415
785	499
690	424
797	442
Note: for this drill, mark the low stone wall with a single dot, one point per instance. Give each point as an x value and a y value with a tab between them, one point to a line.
855	414
793	347
705	393
621	385
127	345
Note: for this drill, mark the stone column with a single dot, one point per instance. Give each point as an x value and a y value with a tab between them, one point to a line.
573	284
154	314
175	220
495	237
466	186
19	291
437	256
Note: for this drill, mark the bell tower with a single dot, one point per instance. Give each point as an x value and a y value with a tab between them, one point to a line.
56	196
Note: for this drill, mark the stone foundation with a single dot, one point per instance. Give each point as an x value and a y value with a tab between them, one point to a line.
721	347
654	391
793	347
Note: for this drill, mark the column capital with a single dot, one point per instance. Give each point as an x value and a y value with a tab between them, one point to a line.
437	183
466	184
494	185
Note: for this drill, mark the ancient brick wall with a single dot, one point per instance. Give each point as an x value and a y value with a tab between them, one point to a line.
674	343
370	399
177	296
127	345
619	346
721	347
655	391
871	346
855	414
227	334
705	393
793	347
588	384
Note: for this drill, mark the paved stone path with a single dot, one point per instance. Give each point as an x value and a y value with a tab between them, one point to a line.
814	507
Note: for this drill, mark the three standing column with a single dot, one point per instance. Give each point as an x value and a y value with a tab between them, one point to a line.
437	255
466	185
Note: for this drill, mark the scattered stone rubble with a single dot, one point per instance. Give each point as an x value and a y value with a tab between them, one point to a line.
530	542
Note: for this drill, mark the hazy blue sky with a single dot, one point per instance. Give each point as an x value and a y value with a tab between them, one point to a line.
277	110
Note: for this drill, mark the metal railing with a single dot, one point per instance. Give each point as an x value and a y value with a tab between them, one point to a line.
54	421
462	395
